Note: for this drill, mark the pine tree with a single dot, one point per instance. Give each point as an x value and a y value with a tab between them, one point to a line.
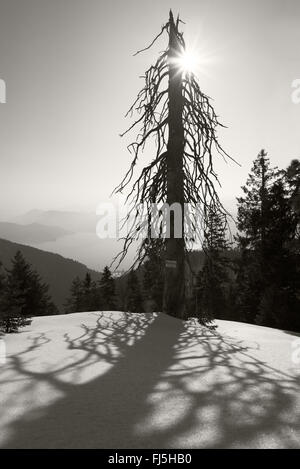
279	306
134	298
39	300
267	280
153	275
84	296
254	208
171	108
24	295
212	282
254	225
90	294
75	302
293	181
107	290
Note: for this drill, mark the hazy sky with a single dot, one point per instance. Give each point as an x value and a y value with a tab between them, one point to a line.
71	75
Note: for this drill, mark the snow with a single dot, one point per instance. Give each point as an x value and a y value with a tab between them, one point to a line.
122	380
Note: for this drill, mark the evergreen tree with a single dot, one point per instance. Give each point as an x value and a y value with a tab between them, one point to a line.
172	108
254	208
23	296
153	275
84	296
267	280
279	306
253	223
39	301
75	302
293	181
107	290
90	294
248	286
134	298
212	282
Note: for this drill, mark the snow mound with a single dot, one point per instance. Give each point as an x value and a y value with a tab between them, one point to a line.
122	380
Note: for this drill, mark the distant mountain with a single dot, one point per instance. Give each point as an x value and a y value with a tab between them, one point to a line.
32	233
77	222
54	269
82	244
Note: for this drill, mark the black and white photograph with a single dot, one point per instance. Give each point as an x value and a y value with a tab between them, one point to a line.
149	227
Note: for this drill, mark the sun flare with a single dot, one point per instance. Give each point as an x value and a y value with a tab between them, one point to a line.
188	61
195	60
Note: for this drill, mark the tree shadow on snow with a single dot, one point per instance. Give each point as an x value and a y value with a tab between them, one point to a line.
168	384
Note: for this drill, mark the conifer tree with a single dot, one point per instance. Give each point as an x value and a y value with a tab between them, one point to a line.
153	275
134	298
107	290
280	305
90	294
267	280
75	302
85	295
172	108
254	207
212	282
24	296
254	225
293	181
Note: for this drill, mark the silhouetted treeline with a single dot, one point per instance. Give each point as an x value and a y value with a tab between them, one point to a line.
108	294
254	277
260	284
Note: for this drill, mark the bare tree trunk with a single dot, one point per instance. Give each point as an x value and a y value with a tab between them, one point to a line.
174	290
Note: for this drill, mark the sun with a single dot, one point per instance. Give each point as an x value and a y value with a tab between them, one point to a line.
188	61
195	60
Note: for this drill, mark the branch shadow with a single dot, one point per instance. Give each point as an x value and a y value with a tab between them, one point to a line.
151	381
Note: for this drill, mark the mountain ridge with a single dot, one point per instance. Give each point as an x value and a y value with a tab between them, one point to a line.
54	269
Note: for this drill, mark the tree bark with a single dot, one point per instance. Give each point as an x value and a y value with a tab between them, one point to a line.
174	289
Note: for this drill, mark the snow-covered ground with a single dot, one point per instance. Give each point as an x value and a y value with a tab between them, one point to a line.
117	380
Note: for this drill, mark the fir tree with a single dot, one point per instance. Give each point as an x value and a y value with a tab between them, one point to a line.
134	298
293	180
153	275
90	294
107	290
171	108
267	280
279	306
253	223
75	302
24	295
39	301
212	282
254	208
84	296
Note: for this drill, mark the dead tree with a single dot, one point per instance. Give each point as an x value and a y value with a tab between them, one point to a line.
172	109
